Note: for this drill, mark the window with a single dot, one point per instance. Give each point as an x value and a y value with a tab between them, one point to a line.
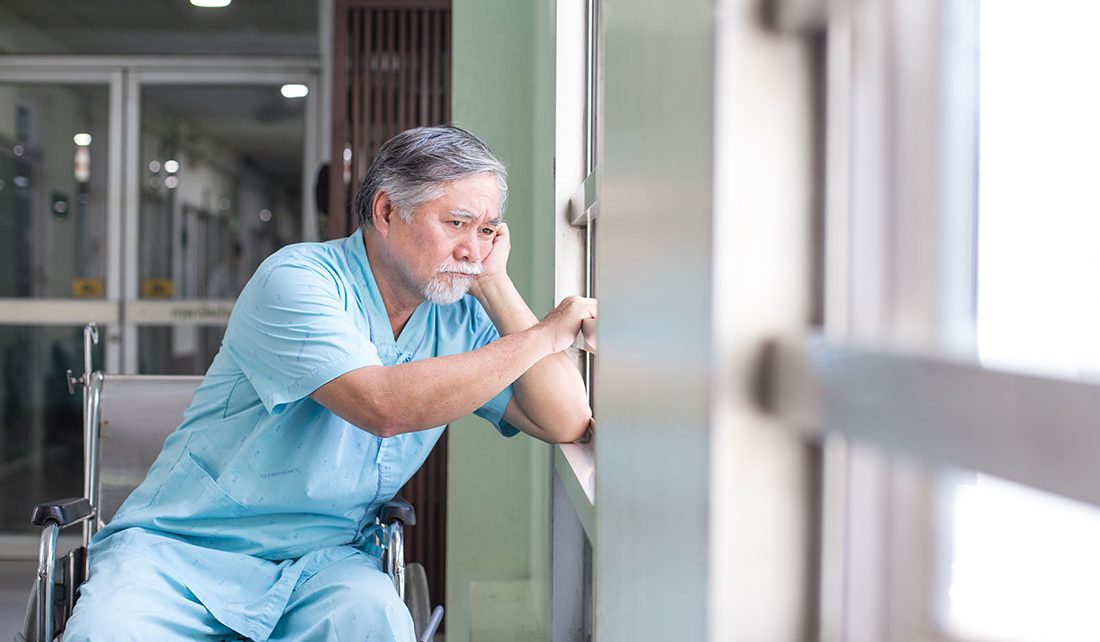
958	326
1022	563
576	189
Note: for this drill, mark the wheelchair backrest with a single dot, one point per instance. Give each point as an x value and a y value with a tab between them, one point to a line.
137	413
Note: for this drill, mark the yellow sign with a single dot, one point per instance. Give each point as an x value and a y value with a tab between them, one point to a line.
91	288
156	288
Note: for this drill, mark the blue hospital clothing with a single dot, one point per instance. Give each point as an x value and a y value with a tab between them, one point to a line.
261	488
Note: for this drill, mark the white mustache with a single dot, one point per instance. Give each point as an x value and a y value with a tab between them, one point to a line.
471	269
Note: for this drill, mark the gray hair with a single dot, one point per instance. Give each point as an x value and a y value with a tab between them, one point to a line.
412	167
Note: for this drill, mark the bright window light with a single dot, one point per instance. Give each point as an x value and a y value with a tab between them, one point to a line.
294	90
216	4
83	139
1026	565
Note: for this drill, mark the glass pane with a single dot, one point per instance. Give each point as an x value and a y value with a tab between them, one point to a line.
221	186
41	437
1024	564
53	190
179	350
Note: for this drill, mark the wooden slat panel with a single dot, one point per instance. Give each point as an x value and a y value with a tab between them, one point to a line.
391	72
338	220
413	64
445	58
437	72
424	81
356	82
385	63
378	88
413	5
400	59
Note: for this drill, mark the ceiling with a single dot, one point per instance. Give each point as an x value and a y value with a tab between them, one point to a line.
256	121
245	27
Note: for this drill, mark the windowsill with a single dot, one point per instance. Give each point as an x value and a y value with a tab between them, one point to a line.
576	466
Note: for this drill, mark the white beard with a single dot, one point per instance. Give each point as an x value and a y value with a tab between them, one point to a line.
443	289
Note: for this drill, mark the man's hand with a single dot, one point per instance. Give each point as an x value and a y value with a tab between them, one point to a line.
496	263
564	322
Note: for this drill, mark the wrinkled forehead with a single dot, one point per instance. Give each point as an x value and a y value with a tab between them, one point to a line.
475	199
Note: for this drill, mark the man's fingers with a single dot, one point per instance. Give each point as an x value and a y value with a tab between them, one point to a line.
587	307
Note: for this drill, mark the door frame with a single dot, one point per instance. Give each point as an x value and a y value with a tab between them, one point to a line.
63	311
121	310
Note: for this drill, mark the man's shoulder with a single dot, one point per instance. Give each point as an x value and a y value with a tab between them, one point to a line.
327	257
327	251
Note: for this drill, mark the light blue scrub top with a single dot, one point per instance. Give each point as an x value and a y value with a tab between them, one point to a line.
261	487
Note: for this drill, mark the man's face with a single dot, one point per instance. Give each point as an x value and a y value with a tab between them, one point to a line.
440	252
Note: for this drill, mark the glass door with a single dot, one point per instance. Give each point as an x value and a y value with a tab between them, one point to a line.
59	246
139	194
222	166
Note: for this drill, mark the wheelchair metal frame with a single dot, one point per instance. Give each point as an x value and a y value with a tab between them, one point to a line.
56	515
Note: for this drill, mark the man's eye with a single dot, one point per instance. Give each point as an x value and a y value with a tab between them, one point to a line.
487	231
457	223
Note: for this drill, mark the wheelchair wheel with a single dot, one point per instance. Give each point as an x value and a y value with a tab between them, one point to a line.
30	619
416	597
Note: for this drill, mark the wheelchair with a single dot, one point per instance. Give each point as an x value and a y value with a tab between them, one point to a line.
126	420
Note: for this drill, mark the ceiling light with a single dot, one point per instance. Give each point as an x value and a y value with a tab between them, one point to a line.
294	91
83	139
211	3
171	166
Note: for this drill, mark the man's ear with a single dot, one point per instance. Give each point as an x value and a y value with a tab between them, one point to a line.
382	213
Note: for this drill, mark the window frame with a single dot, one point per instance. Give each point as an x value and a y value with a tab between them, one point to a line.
574	465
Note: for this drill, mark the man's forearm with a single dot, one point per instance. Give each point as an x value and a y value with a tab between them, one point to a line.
551	393
391	400
505	306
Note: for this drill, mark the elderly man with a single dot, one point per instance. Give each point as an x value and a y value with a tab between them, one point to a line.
341	365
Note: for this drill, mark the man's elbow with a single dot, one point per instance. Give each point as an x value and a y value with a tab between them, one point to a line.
574	429
380	420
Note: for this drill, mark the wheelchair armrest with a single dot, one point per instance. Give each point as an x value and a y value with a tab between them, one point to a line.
397	510
64	512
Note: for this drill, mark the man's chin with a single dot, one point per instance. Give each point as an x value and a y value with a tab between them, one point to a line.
441	293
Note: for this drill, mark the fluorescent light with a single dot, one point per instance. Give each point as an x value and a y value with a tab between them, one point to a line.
83	139
211	3
294	91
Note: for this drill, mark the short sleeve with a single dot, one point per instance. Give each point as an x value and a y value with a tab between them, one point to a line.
484	333
291	331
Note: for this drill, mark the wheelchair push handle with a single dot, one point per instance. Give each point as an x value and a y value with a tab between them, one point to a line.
91	338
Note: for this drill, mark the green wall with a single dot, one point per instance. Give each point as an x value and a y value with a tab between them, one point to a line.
498	522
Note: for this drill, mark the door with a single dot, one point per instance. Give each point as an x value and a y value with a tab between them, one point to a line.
140	194
59	221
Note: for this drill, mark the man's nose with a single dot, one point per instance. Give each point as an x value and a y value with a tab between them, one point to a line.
468	249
